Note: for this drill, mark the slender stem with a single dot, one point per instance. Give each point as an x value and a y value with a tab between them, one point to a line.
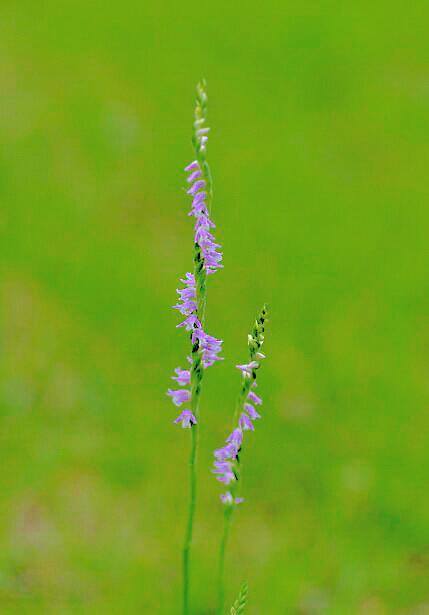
223	545
191	515
196	377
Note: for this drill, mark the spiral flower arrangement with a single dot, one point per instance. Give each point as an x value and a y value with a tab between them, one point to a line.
204	352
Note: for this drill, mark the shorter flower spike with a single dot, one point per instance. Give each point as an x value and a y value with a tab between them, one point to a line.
227	464
187	419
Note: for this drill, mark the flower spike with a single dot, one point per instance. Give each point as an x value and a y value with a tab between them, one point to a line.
191	303
227	458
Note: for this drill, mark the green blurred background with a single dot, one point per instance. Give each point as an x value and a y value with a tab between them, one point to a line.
319	151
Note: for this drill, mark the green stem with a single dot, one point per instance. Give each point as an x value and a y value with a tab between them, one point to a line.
223	545
196	377
191	515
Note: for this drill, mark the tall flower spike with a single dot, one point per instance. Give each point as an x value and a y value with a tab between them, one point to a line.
192	298
191	305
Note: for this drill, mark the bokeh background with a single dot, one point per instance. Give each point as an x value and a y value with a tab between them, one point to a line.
319	151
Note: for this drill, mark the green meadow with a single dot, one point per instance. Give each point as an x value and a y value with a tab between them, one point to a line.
319	152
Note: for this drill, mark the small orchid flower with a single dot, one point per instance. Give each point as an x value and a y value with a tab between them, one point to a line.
187	419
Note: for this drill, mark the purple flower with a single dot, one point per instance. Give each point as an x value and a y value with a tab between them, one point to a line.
187	304
186	293
190	323
209	248
198	211
187	307
204	223
247	368
209	346
224	471
186	418
229	451
193	165
189	279
236	437
251	411
201	196
245	423
183	376
199	184
179	396
255	398
193	176
227	498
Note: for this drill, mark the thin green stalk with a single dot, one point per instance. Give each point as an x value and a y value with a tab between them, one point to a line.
196	378
221	574
191	515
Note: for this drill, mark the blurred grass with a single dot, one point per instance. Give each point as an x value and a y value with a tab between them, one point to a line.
319	153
